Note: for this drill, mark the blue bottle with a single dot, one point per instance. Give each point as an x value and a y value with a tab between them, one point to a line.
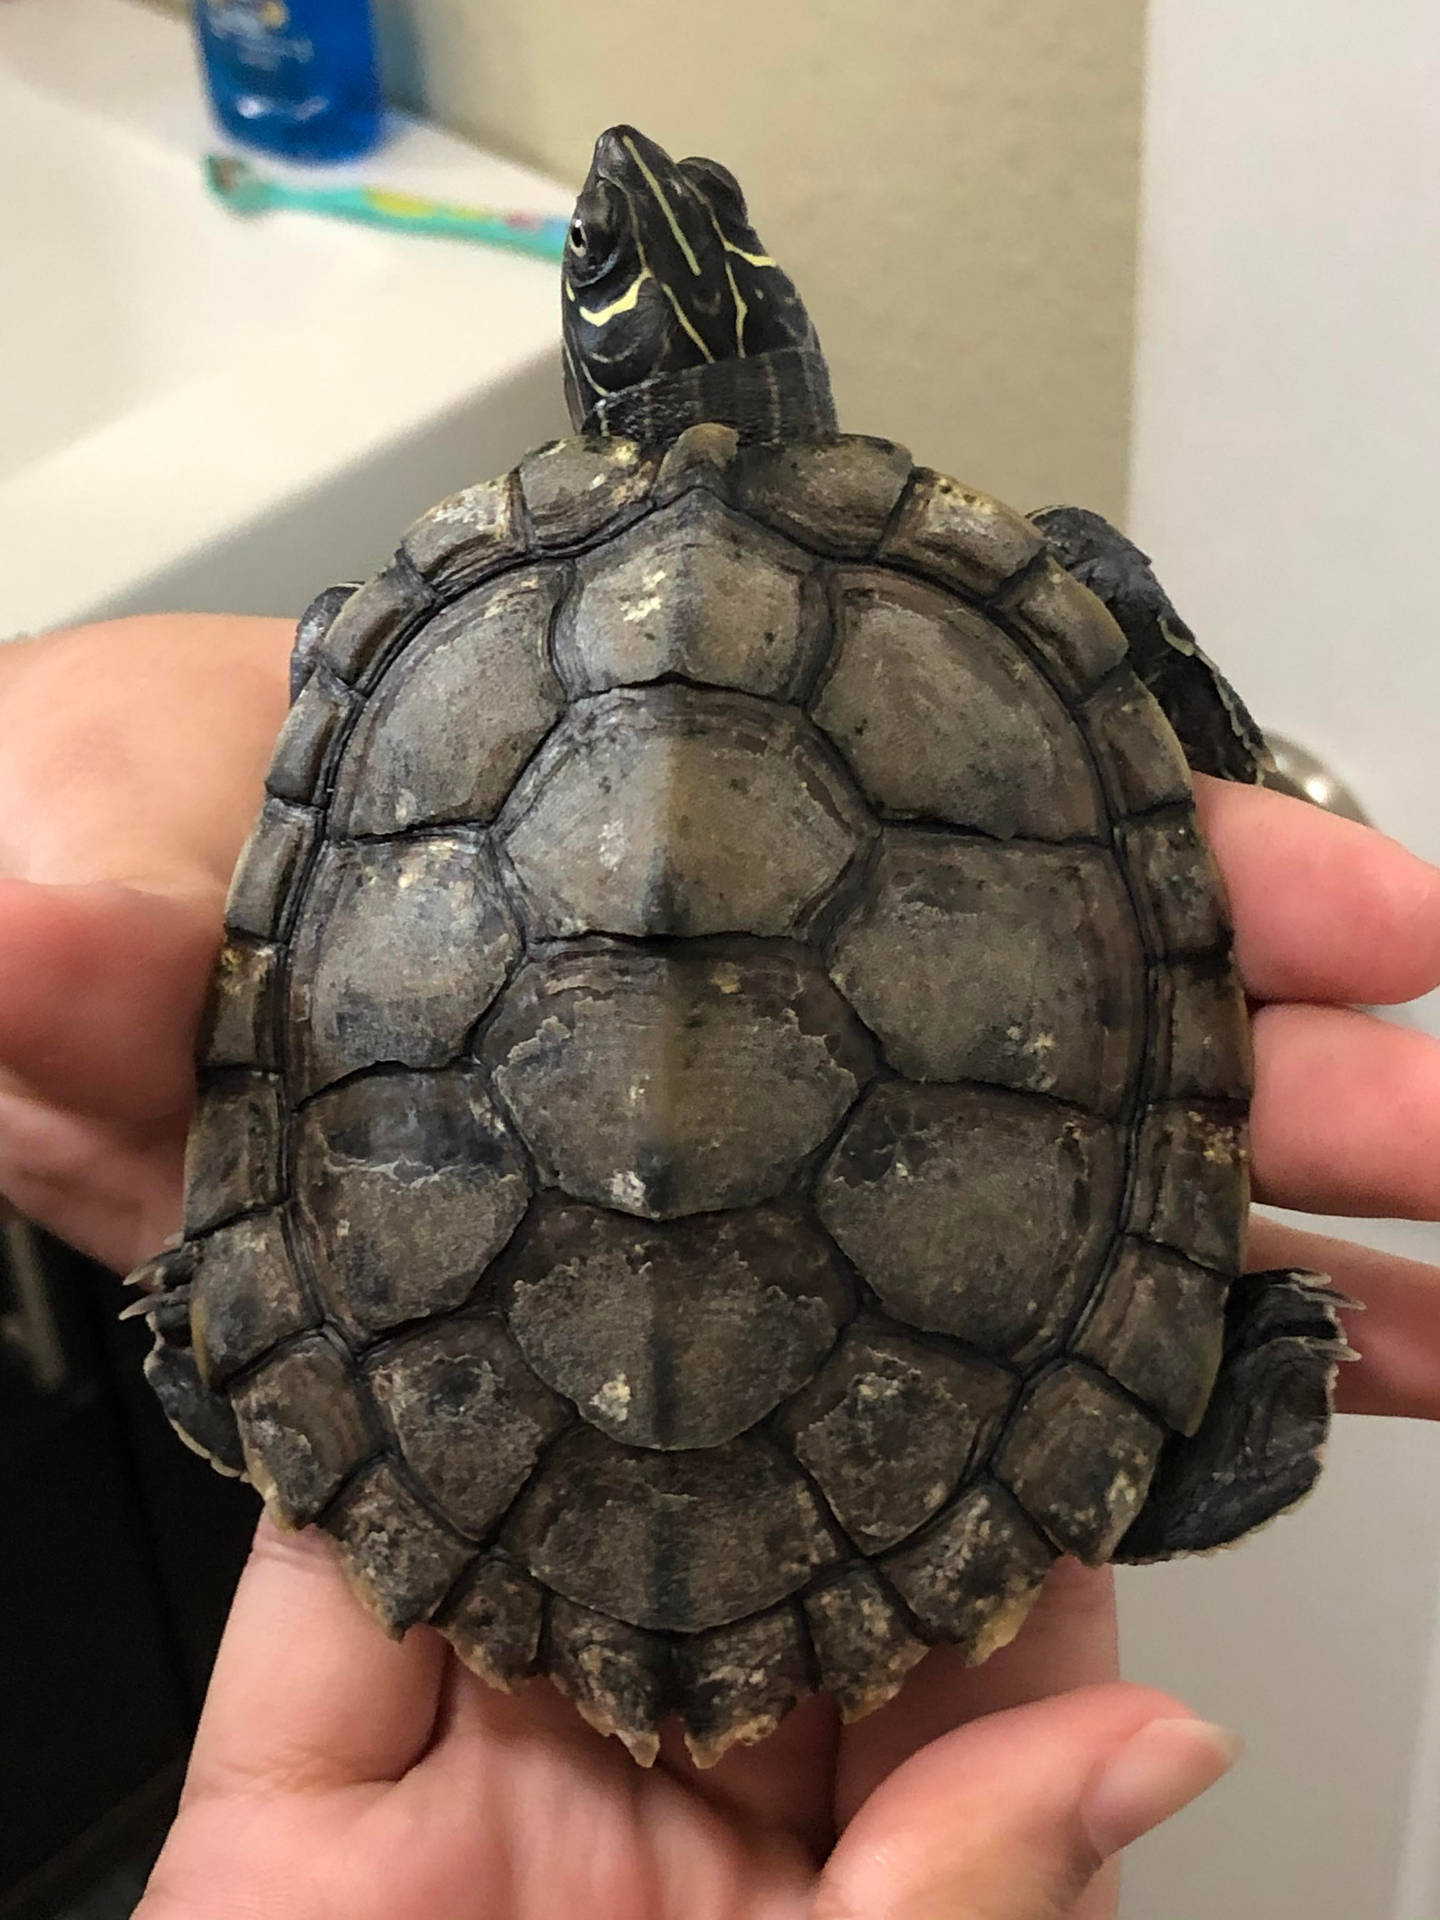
293	77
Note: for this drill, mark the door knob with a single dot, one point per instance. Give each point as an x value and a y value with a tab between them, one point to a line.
1307	777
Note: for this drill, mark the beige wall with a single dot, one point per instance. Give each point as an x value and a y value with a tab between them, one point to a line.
952	183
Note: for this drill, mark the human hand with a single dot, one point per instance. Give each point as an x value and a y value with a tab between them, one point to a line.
336	1772
132	762
131	766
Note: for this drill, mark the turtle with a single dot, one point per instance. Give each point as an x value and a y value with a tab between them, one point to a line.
720	1151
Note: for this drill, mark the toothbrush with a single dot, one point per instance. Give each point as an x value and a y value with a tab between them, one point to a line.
240	187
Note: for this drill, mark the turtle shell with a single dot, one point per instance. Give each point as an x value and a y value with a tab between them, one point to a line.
722	1136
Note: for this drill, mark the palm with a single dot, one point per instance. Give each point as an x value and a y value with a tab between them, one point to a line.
553	1807
387	1781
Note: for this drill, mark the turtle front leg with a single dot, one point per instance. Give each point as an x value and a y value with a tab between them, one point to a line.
1211	720
1258	1449
310	631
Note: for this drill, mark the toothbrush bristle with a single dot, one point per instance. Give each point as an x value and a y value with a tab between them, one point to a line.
227	175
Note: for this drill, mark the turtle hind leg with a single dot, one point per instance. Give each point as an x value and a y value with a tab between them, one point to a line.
1258	1449
204	1419
1210	719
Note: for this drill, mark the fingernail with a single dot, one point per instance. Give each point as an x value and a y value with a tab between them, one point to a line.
1160	1769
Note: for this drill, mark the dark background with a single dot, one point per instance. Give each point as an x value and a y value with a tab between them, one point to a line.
119	1550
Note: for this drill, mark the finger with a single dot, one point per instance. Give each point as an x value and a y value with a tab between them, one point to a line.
112	1191
136	750
1011	1817
1346	1116
1324	909
784	1782
1398	1335
100	992
1069	1640
308	1692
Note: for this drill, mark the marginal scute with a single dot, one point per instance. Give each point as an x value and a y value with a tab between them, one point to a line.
1074	633
960	537
273	855
673	1541
643	813
371	620
408	1186
399	1559
941	717
1142	761
1022	966
319	710
399	949
232	1155
245	1296
737	1683
494	1622
1158	1328
972	1575
458	713
1191	1186
574	488
1179	885
615	1675
693	590
468	536
1205	1034
864	1645
303	1429
836	496
973	1212
237	1027
889	1427
470	1417
1079	1457
678	1081
679	1333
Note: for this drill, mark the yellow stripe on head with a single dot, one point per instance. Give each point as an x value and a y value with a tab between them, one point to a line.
741	309
597	316
752	259
666	208
685	320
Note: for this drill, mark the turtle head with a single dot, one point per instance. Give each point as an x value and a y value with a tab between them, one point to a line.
663	272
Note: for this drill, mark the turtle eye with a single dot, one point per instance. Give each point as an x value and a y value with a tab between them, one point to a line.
592	237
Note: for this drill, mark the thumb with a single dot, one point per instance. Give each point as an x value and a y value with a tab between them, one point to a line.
1012	1816
101	987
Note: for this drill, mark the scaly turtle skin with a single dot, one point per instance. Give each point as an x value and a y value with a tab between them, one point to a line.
721	1148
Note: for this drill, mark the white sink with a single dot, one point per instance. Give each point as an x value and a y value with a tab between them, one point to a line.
221	413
